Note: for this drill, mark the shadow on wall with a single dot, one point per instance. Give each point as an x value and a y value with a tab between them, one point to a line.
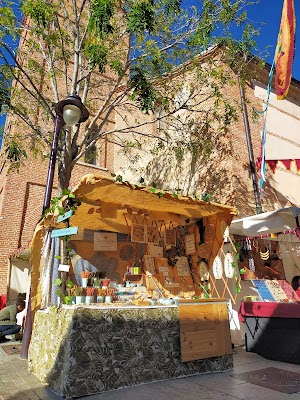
216	176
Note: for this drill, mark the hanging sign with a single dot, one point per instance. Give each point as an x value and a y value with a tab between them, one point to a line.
65	216
105	241
189	242
64	232
64	267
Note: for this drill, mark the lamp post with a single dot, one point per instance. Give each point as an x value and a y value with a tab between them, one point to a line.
70	112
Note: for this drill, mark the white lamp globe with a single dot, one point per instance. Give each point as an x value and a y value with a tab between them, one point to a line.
71	114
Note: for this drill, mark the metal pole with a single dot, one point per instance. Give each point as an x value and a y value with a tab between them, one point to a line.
58	124
27	331
258	205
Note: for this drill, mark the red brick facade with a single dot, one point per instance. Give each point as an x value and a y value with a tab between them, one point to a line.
22	198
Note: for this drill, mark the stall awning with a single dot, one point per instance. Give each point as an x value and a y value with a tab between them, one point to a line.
104	202
262	224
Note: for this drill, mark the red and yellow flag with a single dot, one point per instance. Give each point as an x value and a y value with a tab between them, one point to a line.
285	48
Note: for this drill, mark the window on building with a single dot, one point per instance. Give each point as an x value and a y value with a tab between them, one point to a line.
91	155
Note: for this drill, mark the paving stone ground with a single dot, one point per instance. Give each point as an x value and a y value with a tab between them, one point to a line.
17	383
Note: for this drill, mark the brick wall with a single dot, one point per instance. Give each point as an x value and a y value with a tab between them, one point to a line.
23	195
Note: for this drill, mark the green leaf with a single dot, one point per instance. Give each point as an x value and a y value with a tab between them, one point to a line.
57	282
242	271
58	257
237	289
67	300
70	284
141	16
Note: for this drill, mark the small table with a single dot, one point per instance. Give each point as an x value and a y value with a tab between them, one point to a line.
272	330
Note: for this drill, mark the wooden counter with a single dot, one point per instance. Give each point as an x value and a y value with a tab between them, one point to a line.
83	351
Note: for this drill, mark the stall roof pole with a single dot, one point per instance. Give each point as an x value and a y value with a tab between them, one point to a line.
258	206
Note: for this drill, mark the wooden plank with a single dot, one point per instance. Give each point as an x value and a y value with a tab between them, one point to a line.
204	330
193	356
197	336
200	301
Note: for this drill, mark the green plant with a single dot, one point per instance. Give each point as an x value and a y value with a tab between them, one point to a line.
97	282
67	300
79	291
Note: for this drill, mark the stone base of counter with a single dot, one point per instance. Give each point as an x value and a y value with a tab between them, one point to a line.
80	352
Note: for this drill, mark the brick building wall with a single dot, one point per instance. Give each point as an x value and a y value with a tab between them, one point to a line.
22	201
225	174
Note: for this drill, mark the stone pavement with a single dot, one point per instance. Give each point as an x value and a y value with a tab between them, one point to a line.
16	383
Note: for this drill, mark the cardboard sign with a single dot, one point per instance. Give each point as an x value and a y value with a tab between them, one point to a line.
152	235
64	232
190	246
182	266
170	237
276	290
155	251
65	216
105	241
138	233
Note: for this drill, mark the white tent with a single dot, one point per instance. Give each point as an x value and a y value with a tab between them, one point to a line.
282	222
277	221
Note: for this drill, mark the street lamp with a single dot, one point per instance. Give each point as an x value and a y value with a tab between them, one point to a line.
69	112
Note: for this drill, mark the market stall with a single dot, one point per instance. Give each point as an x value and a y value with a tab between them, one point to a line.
265	246
272	329
146	312
269	308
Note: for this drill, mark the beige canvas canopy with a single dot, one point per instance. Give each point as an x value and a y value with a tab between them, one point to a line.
104	202
111	206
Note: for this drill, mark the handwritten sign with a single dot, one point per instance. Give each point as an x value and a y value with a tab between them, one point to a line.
276	290
170	237
263	290
182	266
105	241
190	247
65	216
64	232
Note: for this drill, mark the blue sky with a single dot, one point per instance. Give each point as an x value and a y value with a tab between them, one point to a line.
267	16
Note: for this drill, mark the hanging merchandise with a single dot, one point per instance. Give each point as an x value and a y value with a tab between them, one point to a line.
229	265
203	271
251	264
265	255
255	245
218	268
